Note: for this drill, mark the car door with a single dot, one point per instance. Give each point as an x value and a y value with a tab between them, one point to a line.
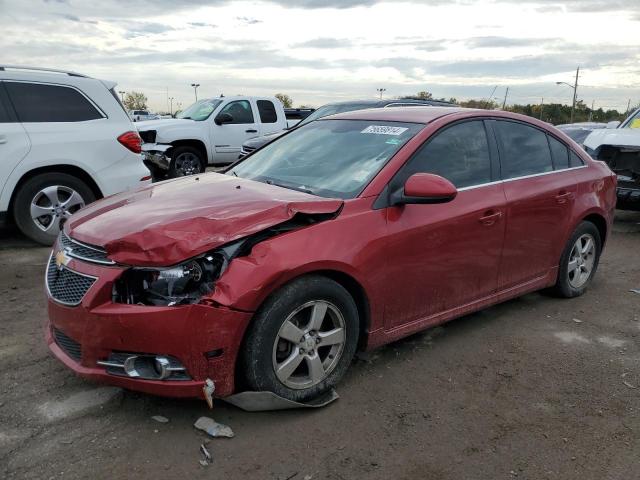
540	200
14	141
443	256
229	137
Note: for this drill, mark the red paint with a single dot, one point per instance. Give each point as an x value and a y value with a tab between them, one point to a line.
429	185
417	265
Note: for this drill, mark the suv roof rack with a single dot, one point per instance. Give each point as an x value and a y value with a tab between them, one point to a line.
40	69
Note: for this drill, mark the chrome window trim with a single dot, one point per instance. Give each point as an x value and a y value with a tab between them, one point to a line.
46	283
519	178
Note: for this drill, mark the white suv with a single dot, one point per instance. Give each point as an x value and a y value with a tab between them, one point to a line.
65	140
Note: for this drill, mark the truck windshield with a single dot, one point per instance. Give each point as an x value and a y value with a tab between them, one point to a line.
199	111
328	158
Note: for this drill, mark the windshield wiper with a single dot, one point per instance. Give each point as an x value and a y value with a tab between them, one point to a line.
290	187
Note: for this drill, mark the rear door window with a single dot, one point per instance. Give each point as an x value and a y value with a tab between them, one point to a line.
524	150
267	111
36	102
575	160
460	154
559	152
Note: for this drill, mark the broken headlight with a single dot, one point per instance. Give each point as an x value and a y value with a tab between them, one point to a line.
181	284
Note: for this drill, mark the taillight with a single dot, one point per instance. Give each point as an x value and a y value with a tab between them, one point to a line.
132	141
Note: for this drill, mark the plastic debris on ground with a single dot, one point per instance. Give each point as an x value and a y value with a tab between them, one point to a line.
160	419
213	428
206	456
265	401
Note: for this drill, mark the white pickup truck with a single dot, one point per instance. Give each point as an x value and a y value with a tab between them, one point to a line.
211	131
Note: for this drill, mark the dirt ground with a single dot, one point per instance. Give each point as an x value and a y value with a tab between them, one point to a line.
536	388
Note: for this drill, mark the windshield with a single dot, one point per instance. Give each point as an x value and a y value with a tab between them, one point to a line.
634	121
334	108
199	111
329	158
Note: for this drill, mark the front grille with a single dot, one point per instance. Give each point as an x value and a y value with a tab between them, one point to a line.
82	251
148	136
67	344
66	286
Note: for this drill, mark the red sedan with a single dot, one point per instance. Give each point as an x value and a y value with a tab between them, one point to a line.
345	234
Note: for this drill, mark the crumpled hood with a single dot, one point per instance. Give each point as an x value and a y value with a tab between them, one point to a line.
621	137
172	221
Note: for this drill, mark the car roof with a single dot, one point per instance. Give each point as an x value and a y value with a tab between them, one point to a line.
424	114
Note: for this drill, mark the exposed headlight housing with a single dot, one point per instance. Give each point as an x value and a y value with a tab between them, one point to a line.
181	284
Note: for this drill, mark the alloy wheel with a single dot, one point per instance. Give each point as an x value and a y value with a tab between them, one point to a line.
52	204
187	164
309	344
582	260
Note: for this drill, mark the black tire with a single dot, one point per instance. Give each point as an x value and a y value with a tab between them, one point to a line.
259	353
177	152
564	287
28	191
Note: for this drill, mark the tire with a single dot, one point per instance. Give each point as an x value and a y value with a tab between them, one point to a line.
186	161
573	279
266	350
56	196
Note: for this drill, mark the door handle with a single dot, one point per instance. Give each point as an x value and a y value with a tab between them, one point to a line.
490	217
3	139
251	131
563	197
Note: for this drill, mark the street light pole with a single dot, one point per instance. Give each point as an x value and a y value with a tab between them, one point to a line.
195	89
122	92
171	106
381	91
575	92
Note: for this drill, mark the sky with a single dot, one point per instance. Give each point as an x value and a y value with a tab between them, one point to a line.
320	51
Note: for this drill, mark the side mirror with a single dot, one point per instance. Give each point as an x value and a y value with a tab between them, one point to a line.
223	118
612	125
424	188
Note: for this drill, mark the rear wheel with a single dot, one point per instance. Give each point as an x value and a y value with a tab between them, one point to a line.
186	161
302	340
579	261
43	201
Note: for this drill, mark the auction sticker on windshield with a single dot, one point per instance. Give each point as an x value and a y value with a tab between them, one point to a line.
384	130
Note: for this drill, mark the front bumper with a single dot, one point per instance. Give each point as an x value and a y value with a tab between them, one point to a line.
205	339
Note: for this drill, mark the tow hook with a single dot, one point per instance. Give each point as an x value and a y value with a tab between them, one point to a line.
208	388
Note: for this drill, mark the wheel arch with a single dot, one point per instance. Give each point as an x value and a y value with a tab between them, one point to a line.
61	168
600	223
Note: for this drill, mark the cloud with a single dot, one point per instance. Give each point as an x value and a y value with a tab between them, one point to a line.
140	29
325	43
248	20
202	24
506	42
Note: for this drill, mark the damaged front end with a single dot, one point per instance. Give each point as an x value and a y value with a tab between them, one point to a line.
155	156
624	161
193	280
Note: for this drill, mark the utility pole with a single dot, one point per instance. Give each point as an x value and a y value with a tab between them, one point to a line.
626	113
504	103
195	89
541	107
381	91
171	106
591	111
575	95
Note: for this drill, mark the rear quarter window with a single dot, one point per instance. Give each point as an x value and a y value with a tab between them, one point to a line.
35	102
560	153
524	150
267	111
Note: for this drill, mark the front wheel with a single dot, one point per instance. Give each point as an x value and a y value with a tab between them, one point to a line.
186	161
579	261
302	340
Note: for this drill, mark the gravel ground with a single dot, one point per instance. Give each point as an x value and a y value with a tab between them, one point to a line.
536	388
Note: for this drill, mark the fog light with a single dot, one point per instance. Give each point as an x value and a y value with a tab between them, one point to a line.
145	367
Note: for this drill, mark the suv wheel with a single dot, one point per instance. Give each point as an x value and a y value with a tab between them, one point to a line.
302	340
186	161
46	199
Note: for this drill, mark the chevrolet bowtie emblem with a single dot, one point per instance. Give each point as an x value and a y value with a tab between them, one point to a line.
61	259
